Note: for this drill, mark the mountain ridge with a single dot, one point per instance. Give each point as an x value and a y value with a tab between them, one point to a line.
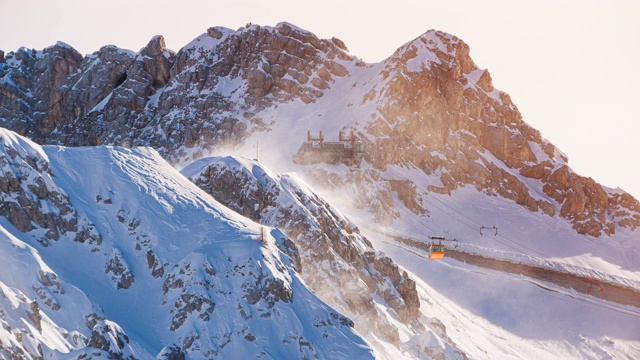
225	87
337	262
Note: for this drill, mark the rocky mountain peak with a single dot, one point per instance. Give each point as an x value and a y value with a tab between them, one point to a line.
285	60
155	47
428	107
434	48
442	114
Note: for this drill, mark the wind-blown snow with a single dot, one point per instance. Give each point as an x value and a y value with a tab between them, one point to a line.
141	205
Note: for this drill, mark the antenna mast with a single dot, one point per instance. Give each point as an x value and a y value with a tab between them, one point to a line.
257	149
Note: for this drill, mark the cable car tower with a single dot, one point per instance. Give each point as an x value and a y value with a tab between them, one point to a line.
347	150
437	248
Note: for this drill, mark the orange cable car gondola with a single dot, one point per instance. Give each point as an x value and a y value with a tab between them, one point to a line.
436	248
436	251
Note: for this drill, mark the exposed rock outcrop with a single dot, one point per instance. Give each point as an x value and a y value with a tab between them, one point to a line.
108	336
338	263
457	124
118	270
97	97
31	201
31	100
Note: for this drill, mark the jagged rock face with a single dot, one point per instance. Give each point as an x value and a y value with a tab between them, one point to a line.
118	97
338	263
33	88
442	115
61	95
432	109
223	78
31	201
283	61
121	84
588	206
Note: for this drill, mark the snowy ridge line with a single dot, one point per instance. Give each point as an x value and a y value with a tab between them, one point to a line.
214	283
613	293
352	283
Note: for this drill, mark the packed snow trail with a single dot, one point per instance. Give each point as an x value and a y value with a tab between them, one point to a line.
492	314
612	292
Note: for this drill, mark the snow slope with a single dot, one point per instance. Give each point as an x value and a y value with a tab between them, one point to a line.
175	272
465	309
336	261
41	314
495	315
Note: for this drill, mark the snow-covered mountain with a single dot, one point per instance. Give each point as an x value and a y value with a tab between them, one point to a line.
159	269
427	109
446	154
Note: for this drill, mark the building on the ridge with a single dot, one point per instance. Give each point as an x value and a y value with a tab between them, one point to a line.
347	150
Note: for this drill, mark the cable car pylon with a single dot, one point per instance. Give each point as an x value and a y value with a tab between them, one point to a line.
492	229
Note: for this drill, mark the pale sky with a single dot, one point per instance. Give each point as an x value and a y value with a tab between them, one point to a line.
571	67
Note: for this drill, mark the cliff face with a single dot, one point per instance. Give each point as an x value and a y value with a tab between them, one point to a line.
441	114
427	107
205	95
336	261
